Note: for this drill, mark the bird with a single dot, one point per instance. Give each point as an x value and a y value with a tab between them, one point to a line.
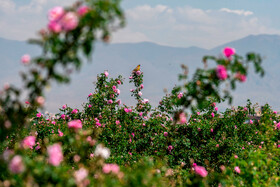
137	68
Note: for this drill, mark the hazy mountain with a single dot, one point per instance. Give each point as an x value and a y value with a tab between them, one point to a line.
160	64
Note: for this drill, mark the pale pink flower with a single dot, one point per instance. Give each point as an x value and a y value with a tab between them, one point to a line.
38	147
54	27
118	101
69	21
221	72
198	113
200	170
118	122
55	13
16	165
106	73
145	100
237	169
110	101
240	77
25	59
40	100
29	142
55	154
141	86
138	72
180	95
80	175
228	51
133	135
182	118
83	10
141	113
75	124
217	145
140	94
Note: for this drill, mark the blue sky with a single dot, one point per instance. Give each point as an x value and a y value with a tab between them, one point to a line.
182	23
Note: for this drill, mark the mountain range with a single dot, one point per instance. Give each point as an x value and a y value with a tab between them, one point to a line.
160	64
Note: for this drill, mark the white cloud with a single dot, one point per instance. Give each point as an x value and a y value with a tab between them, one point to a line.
186	26
238	12
7	6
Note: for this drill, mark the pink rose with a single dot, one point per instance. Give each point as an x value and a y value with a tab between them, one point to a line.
221	72
16	165
75	124
40	100
54	27
138	72
228	52
106	73
55	154
165	134
110	101
28	141
83	10
25	59
237	169
240	77
69	21
200	170
55	13
180	95
182	118
39	114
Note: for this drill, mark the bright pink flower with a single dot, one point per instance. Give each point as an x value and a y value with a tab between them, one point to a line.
133	135
110	101
212	130
180	95
74	111
69	21
141	86
114	87
63	116
216	108
55	154
237	169
194	165
83	10
200	170
38	147
25	59
228	51
217	145
251	121
198	113
212	114
60	133
165	134
54	27
29	142
106	73
118	122
89	106
182	118
75	124
118	101
64	106
27	102
16	165
138	72
278	146
39	114
221	72
275	112
90	94
119	82
129	110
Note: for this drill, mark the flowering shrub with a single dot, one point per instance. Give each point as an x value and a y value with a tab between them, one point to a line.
107	143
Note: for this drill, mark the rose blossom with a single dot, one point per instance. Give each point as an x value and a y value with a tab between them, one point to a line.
69	21
200	170
55	13
55	154
75	124
16	165
106	73
25	59
83	10
40	100
28	141
221	72
237	169
80	175
228	51
182	118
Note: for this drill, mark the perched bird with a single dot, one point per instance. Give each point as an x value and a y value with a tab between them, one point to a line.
137	68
